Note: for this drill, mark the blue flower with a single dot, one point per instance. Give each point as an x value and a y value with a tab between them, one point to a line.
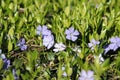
43	30
6	64
93	43
22	44
48	38
48	41
23	47
114	44
71	34
86	75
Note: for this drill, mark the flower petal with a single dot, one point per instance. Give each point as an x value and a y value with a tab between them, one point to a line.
55	50
67	32
23	47
74	38
39	28
112	40
71	29
111	46
90	45
68	37
76	33
90	74
83	73
118	44
50	44
46	32
38	32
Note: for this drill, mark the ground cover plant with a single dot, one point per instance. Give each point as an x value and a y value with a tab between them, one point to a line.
59	40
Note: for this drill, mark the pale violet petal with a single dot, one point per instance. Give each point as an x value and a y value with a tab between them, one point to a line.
46	33
67	32
44	28
117	39
106	50
112	40
50	44
90	74
81	78
93	41
68	37
75	32
111	46
90	45
92	78
71	29
38	32
39	28
74	38
115	48
118	44
83	73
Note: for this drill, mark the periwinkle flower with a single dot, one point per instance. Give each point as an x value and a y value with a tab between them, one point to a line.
93	43
114	44
48	38
43	30
6	63
86	75
59	47
22	44
48	41
71	34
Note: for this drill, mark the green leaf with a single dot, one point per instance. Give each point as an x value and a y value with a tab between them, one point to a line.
1	64
106	63
103	33
67	10
10	46
11	31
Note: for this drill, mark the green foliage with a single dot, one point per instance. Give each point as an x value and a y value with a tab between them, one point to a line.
98	19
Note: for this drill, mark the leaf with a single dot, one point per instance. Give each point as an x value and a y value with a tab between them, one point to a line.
106	63
11	32
1	64
67	10
10	46
102	35
1	37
